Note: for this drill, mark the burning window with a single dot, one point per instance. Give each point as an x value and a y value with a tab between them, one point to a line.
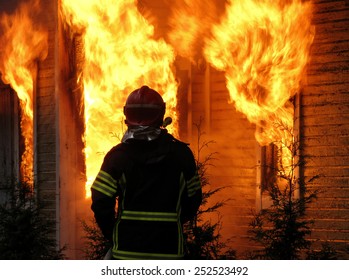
25	42
9	140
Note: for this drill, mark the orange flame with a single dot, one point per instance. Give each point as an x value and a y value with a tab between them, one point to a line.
191	22
263	48
120	56
23	45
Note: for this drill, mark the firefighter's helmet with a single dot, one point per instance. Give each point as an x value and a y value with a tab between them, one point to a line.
144	106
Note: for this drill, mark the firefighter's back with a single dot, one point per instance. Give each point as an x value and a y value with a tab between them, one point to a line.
151	187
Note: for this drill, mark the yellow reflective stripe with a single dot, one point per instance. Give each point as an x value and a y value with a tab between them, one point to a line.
181	189
179	225
116	234
122	183
128	255
105	183
192	191
102	188
149	216
104	176
195	180
155	219
193	185
180	239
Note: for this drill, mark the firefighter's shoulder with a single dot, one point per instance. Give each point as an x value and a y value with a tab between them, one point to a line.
175	140
118	151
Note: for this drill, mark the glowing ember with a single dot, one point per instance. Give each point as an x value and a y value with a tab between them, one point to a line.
120	55
22	44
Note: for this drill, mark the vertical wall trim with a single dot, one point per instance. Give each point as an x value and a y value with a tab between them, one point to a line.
57	111
258	177
16	136
35	126
297	141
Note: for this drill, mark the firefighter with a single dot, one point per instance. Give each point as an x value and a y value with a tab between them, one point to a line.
153	178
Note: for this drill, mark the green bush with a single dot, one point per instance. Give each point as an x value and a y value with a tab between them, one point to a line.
96	245
202	237
25	233
283	230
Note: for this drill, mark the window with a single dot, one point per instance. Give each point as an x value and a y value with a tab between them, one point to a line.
9	140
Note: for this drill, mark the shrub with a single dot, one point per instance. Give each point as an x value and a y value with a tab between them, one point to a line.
25	233
282	229
202	237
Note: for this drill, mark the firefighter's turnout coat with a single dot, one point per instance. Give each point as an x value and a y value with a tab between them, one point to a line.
157	189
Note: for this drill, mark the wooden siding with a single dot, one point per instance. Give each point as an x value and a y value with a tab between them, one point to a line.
325	124
45	165
59	129
74	206
234	163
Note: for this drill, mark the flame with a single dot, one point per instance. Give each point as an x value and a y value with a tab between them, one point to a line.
263	47
120	56
24	43
191	22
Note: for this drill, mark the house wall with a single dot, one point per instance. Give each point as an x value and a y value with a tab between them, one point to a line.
325	123
234	151
73	205
58	132
45	129
324	133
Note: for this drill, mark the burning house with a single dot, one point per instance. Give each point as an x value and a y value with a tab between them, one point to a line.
255	74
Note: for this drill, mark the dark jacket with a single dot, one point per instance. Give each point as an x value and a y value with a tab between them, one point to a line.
157	188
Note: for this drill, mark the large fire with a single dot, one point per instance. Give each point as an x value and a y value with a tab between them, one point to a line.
23	42
120	56
263	48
